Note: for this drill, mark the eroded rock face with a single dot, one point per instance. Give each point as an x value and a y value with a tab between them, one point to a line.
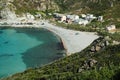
42	5
7	11
10	8
8	14
88	64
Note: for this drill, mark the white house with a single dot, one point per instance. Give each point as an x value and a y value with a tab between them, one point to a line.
100	18
82	21
73	17
63	18
60	17
76	17
90	17
83	15
111	28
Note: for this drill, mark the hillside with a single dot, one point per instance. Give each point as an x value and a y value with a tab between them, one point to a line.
108	8
28	6
86	5
80	6
35	5
86	65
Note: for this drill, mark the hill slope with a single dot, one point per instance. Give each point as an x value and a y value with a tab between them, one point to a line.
107	8
102	65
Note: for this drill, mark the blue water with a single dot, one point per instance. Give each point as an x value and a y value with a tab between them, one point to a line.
24	48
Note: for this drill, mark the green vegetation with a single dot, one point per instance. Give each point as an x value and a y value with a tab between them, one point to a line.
33	6
94	6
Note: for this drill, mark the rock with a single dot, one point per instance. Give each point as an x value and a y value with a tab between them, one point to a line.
87	65
93	49
102	45
106	43
80	70
97	48
91	62
116	42
9	15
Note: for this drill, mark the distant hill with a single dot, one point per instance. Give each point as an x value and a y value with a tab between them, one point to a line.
86	5
63	5
108	8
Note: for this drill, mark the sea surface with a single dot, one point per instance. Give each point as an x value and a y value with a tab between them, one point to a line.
23	48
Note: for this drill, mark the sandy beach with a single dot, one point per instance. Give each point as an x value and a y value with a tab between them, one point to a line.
73	41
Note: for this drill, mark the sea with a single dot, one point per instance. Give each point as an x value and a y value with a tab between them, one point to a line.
23	48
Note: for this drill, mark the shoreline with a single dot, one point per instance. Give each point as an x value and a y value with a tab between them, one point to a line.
73	41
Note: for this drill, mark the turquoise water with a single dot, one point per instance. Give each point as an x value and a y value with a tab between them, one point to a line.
22	48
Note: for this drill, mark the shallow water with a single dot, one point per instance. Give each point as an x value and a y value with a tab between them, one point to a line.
22	48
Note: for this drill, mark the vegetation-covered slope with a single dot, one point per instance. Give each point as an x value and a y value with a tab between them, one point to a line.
108	8
86	5
98	7
64	5
79	66
35	5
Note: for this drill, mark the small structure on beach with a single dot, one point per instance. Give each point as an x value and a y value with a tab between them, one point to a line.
90	17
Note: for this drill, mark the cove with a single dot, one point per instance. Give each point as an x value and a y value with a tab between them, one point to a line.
23	48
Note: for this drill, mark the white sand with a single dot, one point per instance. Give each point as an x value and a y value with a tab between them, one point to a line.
74	41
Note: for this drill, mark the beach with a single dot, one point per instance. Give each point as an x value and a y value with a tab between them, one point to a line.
73	41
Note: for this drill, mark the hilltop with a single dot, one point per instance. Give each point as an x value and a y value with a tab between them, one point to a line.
108	8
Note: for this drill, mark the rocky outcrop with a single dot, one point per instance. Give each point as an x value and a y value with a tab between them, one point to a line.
7	11
41	5
88	64
99	44
73	6
86	5
8	14
9	8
